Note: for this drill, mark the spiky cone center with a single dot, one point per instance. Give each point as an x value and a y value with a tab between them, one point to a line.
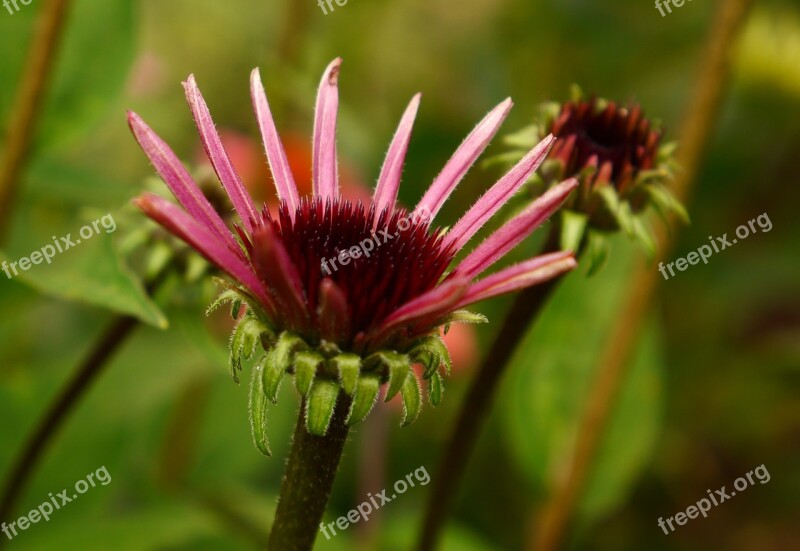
328	346
354	267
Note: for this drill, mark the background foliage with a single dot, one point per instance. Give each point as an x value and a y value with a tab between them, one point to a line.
713	393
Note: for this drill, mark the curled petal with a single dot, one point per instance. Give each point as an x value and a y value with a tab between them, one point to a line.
461	161
178	180
325	175
201	239
276	154
334	317
522	275
514	231
435	303
389	180
219	158
498	195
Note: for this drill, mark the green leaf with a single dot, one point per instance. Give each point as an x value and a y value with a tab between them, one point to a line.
258	410
551	376
412	402
90	272
365	397
320	405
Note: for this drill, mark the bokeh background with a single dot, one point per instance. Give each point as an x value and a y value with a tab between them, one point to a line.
713	388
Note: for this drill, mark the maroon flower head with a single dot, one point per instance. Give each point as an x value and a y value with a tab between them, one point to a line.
349	294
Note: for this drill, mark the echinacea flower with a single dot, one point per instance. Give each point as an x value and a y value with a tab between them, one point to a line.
359	326
617	156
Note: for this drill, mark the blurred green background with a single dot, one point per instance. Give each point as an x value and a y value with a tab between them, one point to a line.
713	391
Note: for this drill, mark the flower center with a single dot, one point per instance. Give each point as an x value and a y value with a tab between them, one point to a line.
379	264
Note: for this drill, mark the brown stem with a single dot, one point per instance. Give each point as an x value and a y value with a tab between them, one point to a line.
57	414
27	106
700	121
308	481
477	403
59	411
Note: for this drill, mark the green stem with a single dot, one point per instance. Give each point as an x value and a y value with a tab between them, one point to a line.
308	480
477	403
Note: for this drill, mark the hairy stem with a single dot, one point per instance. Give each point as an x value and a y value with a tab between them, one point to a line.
478	401
27	105
308	480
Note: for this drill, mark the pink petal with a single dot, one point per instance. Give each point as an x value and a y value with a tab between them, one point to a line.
498	195
464	157
325	175
203	241
276	268
219	158
515	230
178	180
389	180
435	303
522	275
276	154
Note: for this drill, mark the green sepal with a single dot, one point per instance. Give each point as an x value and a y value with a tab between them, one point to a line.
272	376
306	363
412	401
596	252
395	366
645	237
258	411
228	295
431	352
320	405
285	347
348	366
465	316
573	227
244	339
364	399
664	202
435	389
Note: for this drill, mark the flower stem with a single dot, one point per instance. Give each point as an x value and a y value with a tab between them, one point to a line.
117	333
308	480
475	407
27	105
